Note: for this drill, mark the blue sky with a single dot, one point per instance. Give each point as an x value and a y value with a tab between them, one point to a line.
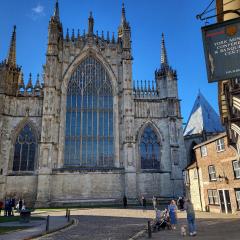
148	19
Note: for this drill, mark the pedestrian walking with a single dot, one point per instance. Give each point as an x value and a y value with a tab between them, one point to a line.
20	204
154	200
5	206
1	207
172	210
124	201
188	206
12	205
144	203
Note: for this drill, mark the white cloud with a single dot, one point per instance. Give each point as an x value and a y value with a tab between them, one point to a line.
39	9
37	12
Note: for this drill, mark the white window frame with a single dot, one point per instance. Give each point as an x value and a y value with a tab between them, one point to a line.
238	148
203	151
213	198
220	146
186	178
212	173
236	169
237	193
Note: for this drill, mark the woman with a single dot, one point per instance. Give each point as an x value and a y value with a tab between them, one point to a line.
154	200
172	210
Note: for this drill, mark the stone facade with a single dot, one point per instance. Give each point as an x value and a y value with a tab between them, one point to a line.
43	108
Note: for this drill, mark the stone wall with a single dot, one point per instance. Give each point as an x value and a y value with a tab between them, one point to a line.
90	186
24	187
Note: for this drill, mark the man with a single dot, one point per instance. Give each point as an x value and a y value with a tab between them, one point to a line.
188	206
144	203
124	201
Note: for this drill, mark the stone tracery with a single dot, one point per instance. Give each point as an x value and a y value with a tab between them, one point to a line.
89	117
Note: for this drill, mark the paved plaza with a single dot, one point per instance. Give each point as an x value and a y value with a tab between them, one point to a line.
104	224
127	224
123	224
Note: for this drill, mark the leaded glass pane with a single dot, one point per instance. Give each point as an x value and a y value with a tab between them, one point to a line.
149	149
25	150
89	117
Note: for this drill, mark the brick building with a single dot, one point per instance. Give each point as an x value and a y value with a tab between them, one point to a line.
213	181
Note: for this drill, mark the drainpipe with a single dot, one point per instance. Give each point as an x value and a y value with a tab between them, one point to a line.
199	186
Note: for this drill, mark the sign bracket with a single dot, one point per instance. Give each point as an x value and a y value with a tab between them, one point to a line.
200	16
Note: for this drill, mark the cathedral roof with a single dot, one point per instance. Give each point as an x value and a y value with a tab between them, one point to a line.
203	118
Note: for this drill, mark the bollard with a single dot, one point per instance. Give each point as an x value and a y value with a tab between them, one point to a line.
47	224
69	215
149	230
66	212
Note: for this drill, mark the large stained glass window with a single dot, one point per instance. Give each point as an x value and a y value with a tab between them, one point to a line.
25	150
89	117
149	149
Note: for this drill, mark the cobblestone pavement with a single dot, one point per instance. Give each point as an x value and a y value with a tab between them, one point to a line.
209	227
122	224
104	224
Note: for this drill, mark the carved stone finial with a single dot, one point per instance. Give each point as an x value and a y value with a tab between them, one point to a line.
56	11
11	59
164	59
73	36
67	35
90	24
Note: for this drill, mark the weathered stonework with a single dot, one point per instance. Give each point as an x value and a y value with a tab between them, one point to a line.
135	107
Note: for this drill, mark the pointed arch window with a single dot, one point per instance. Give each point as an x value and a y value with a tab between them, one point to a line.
149	149
89	117
25	150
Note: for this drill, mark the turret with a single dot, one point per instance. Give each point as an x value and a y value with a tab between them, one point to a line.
55	32
21	85
164	59
165	76
124	31
90	25
11	59
9	71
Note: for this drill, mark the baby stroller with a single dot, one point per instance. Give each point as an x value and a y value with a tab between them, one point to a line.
162	221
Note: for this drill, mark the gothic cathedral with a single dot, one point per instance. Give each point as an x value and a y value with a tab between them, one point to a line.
89	133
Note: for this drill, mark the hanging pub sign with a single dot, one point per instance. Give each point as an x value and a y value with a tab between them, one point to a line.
222	50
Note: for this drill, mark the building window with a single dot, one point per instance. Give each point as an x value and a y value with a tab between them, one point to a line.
149	149
212	173
238	148
186	177
213	197
204	151
25	150
175	157
237	192
236	169
89	140
220	145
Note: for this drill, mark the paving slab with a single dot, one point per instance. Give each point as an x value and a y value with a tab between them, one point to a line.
35	228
